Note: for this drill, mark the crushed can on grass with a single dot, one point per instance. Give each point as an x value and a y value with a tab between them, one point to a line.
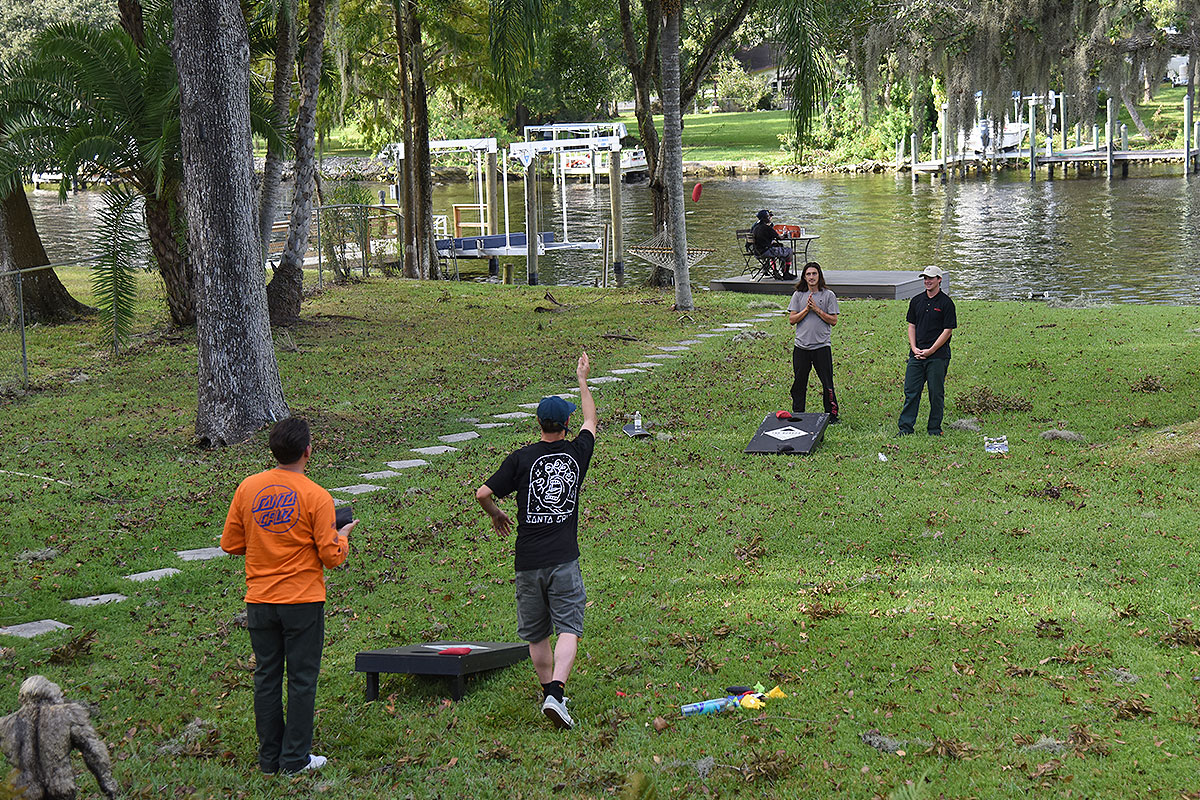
996	445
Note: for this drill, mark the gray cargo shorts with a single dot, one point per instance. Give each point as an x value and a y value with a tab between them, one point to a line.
550	595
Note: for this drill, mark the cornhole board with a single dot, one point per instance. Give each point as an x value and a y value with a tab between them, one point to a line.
633	433
426	659
801	433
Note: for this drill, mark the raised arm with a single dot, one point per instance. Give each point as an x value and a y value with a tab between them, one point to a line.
585	394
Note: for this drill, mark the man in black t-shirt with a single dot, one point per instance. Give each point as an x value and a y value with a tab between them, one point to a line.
768	244
546	477
931	321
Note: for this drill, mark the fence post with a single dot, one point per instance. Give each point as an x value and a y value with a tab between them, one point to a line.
320	257
21	322
1188	144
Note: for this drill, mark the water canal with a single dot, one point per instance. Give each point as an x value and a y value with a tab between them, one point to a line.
1128	240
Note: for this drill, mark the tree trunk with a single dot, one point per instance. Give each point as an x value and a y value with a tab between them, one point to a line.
1127	101
281	100
405	199
239	388
418	164
672	166
46	300
176	272
286	289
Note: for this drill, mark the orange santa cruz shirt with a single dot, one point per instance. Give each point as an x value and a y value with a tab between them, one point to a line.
284	524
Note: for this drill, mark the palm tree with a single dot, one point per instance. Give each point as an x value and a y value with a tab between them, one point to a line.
99	105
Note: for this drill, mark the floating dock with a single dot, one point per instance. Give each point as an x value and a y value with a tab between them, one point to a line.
857	284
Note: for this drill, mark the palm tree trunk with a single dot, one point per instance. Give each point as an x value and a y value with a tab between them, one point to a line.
172	266
286	288
281	100
44	297
239	388
672	167
405	198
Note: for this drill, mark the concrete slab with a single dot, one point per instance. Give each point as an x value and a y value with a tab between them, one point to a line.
337	501
687	342
487	426
468	420
455	438
408	463
436	450
201	554
605	379
382	475
28	630
708	335
645	364
737	325
867	283
628	371
672	348
661	356
152	575
358	488
530	406
98	599
514	415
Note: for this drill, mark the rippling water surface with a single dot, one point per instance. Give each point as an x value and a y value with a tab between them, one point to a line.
1128	240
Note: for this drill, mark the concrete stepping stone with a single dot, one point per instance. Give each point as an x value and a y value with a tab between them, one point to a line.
514	415
605	379
435	450
152	575
645	364
530	406
98	599
337	501
468	420
454	438
358	488
661	355
408	463
738	325
487	426
382	475
628	371
672	348
28	630
708	335
688	342
201	554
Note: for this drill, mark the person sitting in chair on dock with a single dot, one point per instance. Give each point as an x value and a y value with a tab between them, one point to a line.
767	244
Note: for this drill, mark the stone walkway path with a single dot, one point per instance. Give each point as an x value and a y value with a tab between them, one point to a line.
394	469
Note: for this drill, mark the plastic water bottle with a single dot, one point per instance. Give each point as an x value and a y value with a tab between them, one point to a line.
637	422
714	706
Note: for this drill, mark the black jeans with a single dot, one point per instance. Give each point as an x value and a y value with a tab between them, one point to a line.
821	360
290	635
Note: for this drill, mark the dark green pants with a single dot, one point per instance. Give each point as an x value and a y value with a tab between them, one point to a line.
919	373
288	636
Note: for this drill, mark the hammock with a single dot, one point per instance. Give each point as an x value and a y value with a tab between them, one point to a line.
658	251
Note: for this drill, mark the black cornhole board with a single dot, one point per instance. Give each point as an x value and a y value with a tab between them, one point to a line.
812	425
424	659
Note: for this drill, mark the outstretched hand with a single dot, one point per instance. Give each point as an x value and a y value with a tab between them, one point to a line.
584	367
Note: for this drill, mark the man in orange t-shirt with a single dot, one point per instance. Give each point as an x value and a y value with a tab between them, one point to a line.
284	524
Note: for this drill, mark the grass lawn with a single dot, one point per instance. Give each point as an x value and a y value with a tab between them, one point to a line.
981	626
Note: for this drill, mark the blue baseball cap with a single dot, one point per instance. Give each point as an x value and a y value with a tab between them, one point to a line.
555	409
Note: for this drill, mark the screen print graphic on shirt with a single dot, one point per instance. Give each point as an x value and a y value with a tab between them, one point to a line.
553	489
274	508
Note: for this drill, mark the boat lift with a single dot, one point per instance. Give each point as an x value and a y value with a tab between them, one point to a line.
492	244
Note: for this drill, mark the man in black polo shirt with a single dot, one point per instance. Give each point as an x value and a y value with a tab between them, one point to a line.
931	320
546	477
768	244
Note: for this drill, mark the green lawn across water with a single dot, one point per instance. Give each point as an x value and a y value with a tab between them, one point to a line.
1011	625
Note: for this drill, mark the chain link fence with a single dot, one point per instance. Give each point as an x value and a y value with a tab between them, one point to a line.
344	240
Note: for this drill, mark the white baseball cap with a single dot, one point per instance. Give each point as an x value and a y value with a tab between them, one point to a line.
931	272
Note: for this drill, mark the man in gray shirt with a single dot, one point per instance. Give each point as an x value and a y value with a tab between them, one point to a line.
814	311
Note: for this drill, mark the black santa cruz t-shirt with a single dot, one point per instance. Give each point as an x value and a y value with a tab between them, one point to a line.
546	477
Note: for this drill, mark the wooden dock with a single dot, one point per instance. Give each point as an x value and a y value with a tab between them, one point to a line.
847	284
